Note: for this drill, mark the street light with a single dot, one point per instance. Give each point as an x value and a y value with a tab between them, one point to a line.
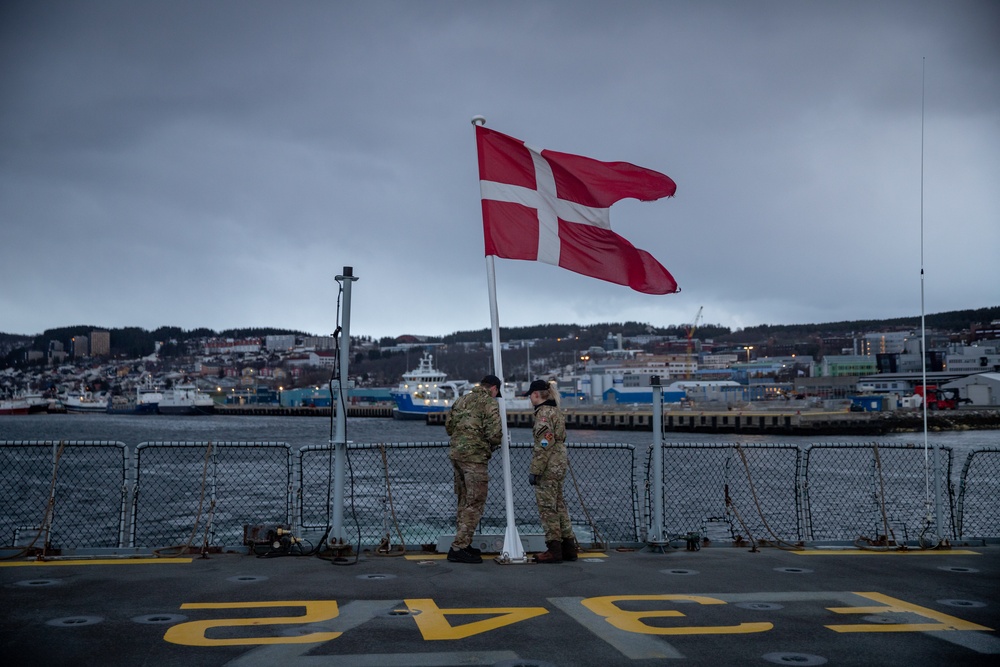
749	390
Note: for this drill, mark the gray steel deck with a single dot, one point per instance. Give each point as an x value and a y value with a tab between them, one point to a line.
716	606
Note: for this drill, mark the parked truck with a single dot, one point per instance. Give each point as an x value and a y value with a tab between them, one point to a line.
939	399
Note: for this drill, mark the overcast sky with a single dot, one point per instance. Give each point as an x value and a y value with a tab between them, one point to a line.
217	164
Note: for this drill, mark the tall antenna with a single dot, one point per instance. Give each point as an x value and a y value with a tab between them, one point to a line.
923	327
938	521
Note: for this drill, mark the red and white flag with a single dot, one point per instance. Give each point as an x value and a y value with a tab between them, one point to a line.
544	206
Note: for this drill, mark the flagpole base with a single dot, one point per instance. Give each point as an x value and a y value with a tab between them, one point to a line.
512	547
504	559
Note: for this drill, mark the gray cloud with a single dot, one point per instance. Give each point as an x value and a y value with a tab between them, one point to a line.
216	164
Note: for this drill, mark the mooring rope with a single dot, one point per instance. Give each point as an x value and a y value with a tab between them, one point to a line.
45	525
782	543
385	546
884	543
184	548
593	526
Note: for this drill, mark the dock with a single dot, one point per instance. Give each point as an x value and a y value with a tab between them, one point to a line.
353	411
761	422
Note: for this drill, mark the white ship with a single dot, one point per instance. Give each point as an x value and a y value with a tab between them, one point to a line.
145	401
185	399
424	390
85	401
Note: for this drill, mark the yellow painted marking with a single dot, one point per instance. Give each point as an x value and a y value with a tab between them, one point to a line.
630	621
433	623
893	552
581	554
102	561
944	621
192	633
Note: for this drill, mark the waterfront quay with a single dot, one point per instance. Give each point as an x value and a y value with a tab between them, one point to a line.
763	421
381	410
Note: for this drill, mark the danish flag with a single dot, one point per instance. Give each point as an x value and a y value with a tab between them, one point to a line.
545	206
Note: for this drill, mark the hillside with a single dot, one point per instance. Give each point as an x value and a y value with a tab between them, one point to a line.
135	342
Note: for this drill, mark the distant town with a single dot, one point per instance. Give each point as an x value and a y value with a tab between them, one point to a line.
596	364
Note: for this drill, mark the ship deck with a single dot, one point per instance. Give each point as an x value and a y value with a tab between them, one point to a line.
715	606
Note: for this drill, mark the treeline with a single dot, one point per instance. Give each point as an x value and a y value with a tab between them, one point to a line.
134	342
954	321
591	334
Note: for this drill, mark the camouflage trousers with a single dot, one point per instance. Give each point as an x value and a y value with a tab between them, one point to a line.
552	509
471	481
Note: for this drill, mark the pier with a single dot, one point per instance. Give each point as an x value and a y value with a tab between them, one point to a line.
761	422
353	411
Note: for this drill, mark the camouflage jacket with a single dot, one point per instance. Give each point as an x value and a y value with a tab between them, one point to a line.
548	456
474	426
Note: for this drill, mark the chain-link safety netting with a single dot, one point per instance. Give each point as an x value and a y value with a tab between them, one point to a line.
92	494
67	494
979	495
728	492
198	493
404	493
876	493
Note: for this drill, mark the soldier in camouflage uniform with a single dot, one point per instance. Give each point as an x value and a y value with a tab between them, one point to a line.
549	462
475	430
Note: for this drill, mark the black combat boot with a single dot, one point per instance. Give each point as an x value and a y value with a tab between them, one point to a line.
552	555
569	549
463	555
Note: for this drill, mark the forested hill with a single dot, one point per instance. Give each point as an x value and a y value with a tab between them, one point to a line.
954	321
136	342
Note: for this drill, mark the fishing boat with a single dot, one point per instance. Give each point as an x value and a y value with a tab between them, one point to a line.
13	406
36	402
424	390
85	401
185	399
145	401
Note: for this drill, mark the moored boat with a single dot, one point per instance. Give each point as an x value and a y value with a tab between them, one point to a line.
185	399
85	401
145	401
13	406
37	403
424	390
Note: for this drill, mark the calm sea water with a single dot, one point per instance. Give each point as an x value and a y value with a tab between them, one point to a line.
301	431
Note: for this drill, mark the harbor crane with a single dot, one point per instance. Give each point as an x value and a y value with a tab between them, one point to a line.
690	342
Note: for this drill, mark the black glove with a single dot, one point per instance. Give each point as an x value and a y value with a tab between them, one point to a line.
532	479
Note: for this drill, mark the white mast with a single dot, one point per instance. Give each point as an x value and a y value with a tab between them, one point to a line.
512	547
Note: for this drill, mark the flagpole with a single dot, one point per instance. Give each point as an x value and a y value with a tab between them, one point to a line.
512	550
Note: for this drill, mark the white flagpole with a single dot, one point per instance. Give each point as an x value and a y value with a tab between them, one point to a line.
513	550
512	547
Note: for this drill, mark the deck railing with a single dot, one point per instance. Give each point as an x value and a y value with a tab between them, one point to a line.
78	495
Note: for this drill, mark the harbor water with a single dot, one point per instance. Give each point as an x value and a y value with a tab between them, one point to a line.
132	430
